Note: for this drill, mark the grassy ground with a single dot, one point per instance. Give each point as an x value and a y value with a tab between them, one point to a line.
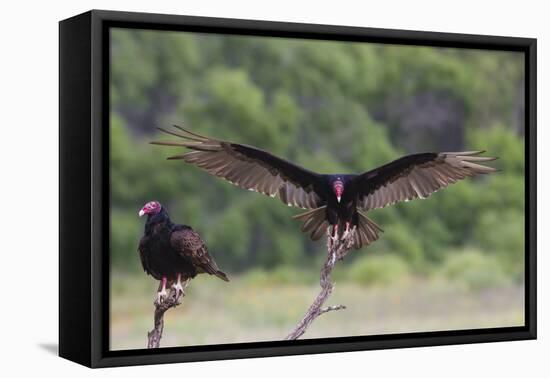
215	312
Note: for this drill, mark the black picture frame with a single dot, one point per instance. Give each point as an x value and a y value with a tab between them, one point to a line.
84	188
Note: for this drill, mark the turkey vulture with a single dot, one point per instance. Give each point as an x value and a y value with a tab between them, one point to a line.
172	253
338	202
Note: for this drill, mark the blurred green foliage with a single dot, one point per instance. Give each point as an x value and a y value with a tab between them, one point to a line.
331	107
474	270
378	270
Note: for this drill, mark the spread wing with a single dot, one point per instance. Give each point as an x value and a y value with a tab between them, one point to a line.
188	244
417	176
250	168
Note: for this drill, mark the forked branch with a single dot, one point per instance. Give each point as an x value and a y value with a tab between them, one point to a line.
337	250
173	300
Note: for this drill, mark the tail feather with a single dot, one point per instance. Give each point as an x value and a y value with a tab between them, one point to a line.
316	225
314	222
367	231
222	275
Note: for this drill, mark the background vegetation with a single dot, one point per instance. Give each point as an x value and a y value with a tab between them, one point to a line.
331	107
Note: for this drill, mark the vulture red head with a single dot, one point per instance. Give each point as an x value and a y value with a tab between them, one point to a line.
152	207
338	188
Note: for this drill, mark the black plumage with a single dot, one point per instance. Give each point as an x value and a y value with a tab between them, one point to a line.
337	202
172	253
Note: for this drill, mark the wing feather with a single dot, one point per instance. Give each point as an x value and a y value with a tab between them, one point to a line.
188	244
250	168
417	176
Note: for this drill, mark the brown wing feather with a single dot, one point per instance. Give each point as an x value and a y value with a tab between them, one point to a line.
249	168
417	176
143	254
189	245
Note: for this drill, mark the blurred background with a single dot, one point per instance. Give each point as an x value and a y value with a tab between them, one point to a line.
454	261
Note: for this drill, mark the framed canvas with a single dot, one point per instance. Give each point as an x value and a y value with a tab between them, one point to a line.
162	260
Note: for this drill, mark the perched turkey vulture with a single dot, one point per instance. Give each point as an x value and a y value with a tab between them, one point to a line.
172	253
338	202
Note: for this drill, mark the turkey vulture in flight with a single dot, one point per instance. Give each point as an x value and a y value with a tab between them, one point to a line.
337	202
172	253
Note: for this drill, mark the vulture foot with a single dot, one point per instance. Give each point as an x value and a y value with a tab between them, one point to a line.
348	233
161	297
179	288
162	294
333	236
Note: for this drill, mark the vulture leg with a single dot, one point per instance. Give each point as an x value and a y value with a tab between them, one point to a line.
346	231
332	232
349	234
329	237
178	288
162	294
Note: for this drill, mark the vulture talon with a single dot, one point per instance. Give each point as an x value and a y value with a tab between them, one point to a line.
333	240
348	234
162	294
161	297
333	236
178	291
178	288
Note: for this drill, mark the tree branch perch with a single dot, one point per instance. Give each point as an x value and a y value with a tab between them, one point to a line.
173	300
337	250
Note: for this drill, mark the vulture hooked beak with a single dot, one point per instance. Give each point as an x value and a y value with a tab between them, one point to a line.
152	207
338	188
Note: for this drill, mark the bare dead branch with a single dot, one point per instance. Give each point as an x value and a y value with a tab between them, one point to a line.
173	300
331	308
337	250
